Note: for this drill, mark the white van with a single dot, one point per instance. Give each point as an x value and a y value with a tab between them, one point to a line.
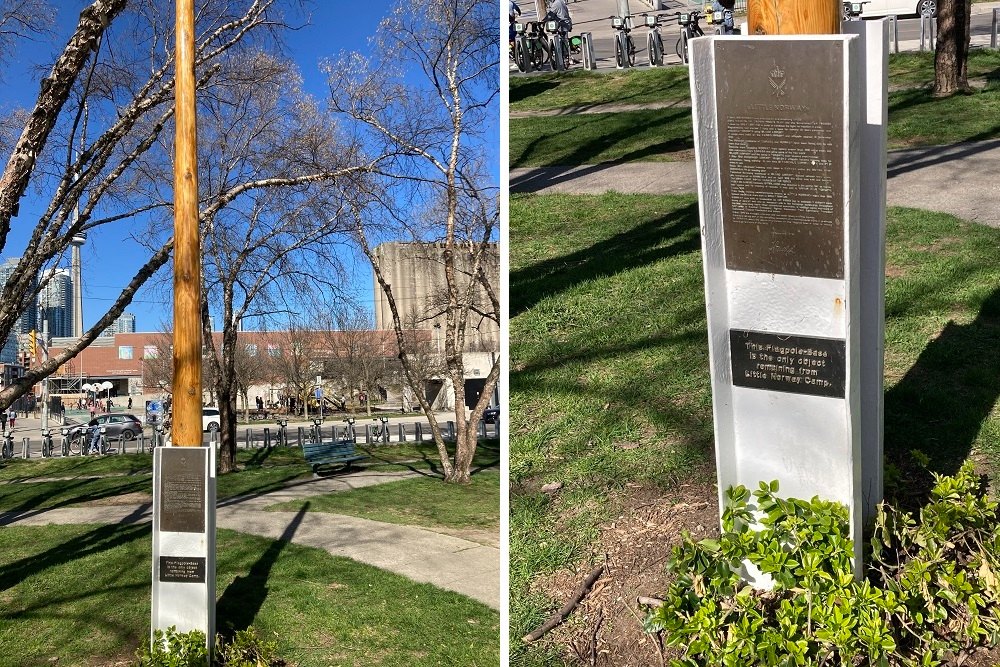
210	419
901	8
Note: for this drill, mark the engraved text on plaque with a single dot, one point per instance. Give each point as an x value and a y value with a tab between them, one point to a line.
182	490
780	112
795	364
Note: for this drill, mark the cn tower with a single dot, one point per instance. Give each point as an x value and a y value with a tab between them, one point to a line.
78	241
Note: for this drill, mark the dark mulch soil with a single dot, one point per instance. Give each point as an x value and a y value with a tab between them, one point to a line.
606	629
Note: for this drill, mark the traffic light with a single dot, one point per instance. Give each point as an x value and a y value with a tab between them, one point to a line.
32	342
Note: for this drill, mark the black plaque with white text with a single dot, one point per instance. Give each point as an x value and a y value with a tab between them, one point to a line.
781	152
182	489
794	364
182	569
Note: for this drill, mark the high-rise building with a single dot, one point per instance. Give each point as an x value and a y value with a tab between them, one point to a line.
124	324
55	303
25	323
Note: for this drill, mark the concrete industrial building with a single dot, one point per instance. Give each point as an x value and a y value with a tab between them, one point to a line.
415	273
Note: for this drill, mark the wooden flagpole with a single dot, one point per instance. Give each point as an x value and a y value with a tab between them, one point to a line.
794	17
187	422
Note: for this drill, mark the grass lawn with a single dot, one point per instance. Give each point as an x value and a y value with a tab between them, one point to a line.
654	134
420	501
609	377
79	595
916	118
261	470
585	88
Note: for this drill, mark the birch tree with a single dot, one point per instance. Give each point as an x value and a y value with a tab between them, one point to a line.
439	127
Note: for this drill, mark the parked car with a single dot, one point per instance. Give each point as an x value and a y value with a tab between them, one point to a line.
878	8
118	425
210	419
491	415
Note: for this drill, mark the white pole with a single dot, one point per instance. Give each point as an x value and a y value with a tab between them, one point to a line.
45	382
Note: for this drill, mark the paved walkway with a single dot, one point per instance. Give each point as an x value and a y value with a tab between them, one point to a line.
423	555
950	179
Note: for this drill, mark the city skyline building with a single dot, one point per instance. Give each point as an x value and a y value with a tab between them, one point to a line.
125	323
55	303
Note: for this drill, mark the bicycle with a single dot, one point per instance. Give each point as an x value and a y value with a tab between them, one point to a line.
654	42
724	20
46	444
7	448
853	10
382	432
558	44
689	30
529	48
624	46
349	432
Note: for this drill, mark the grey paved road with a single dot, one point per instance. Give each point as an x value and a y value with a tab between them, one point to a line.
594	16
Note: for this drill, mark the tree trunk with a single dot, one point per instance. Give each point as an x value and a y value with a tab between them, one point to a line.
952	53
227	428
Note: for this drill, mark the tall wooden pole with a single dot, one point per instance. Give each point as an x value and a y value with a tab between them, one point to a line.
794	17
187	424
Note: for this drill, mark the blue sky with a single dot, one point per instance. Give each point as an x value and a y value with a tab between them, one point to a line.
110	258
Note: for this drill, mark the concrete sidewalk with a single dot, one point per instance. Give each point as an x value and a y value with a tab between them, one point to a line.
948	179
447	562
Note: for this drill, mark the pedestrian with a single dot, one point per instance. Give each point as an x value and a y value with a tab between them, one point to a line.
13	416
560	10
513	12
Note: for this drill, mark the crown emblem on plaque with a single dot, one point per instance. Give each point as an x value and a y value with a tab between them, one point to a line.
777	80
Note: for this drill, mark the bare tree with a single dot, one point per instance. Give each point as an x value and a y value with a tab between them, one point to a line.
295	365
276	241
438	130
951	55
96	131
359	357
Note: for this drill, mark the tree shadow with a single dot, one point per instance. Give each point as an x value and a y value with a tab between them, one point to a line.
673	234
98	540
607	137
243	598
522	90
940	405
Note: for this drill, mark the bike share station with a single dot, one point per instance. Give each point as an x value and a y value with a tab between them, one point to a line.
790	142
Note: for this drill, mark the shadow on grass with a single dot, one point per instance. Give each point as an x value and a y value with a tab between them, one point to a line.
37	503
536	86
487	457
98	540
670	235
607	130
939	406
242	600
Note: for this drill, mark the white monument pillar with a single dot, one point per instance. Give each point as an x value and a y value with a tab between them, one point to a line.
778	136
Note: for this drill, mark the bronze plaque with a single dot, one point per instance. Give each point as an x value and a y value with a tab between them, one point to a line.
182	569
781	153
794	364
182	489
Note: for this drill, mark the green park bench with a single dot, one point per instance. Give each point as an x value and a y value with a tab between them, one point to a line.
331	452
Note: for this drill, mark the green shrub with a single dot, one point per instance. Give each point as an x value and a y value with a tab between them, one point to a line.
930	594
174	649
187	649
246	649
